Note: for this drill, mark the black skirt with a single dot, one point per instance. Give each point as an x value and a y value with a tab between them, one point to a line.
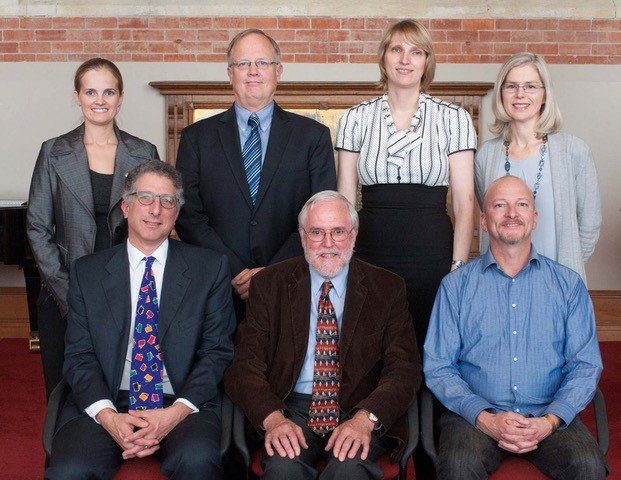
405	229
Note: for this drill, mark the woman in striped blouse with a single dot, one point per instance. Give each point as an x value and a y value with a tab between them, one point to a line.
406	148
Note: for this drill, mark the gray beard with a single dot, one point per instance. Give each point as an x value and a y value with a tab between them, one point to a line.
329	274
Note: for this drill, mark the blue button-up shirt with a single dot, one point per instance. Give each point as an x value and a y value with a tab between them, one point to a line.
337	297
265	122
526	344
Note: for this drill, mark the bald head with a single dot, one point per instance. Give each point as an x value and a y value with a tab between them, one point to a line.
508	182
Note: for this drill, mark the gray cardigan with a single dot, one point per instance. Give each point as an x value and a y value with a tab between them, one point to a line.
61	216
577	212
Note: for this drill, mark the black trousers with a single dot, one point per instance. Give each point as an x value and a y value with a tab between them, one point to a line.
303	466
52	327
83	449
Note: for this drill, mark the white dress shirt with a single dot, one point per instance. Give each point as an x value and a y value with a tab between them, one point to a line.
136	272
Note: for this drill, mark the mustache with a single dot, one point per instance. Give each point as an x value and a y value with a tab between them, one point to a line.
506	222
334	251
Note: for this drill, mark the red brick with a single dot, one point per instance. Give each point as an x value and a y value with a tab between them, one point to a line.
67	47
8	35
195	47
236	23
445	24
100	22
562	36
574	49
574	25
526	36
586	37
352	23
147	57
81	57
338	35
220	47
478	24
310	58
100	47
495	36
9	22
35	47
194	22
18	57
9	47
438	35
287	58
148	34
178	35
280	35
211	57
464	58
35	22
133	47
369	47
477	48
378	23
603	37
175	57
351	47
447	48
612	25
120	35
363	59
301	35
509	48
462	36
50	35
213	35
325	23
85	35
542	24
166	22
606	49
492	59
614	60
51	57
543	48
366	35
163	47
266	22
506	24
441	58
128	22
293	23
337	58
68	22
614	37
295	47
576	59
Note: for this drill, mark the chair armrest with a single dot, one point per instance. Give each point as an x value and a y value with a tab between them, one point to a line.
426	425
54	405
413	433
239	435
601	421
227	425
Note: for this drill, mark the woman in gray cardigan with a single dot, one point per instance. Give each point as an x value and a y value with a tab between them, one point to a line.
557	166
74	206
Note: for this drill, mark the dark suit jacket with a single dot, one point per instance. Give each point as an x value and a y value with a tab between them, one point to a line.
61	215
380	364
218	212
196	322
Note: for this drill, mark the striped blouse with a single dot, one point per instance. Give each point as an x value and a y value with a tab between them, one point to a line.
416	155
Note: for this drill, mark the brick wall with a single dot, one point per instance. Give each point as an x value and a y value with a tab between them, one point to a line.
303	40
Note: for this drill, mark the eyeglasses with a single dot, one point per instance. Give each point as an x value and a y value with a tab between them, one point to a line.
338	234
528	88
260	63
147	198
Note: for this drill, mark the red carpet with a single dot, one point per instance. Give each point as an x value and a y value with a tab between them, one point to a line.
22	409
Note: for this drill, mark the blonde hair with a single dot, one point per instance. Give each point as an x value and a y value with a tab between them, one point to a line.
415	33
550	120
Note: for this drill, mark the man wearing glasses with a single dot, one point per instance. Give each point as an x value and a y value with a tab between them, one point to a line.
148	339
248	171
326	362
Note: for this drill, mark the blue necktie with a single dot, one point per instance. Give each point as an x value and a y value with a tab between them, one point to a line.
252	157
146	390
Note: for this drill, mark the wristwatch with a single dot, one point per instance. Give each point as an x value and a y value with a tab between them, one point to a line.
457	263
372	417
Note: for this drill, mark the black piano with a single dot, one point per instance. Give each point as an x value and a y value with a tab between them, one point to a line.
15	250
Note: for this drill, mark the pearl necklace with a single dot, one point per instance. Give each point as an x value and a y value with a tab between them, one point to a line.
542	153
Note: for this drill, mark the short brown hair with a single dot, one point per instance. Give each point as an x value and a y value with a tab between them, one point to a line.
96	64
416	33
157	167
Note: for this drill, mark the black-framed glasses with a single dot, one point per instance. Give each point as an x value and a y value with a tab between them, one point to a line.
260	63
147	198
528	88
338	234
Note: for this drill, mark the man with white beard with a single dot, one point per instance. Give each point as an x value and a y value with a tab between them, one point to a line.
326	362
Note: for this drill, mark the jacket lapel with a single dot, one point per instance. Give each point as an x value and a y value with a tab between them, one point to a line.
71	165
117	290
280	131
299	300
173	289
229	136
354	301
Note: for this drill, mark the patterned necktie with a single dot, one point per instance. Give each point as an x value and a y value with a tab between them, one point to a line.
324	408
145	377
252	157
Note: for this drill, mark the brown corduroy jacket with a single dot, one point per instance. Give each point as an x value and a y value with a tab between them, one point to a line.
380	364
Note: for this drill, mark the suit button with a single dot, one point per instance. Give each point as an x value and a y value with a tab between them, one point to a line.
254	223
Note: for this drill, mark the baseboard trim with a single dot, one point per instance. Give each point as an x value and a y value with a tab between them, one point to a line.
14	321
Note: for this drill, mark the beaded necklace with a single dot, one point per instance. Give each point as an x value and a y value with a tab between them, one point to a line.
542	152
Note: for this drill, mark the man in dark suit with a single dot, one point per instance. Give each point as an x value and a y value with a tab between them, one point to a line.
326	358
248	171
144	374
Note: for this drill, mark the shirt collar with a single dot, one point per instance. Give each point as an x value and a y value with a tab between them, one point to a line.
339	283
265	116
135	256
489	260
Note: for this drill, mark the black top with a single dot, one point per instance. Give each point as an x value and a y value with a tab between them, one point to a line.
102	186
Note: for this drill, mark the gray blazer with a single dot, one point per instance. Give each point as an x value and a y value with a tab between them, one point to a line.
577	213
61	215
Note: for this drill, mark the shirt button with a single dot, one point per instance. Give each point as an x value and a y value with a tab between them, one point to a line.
253	223
517	410
513	280
514	332
513	305
515	359
514	387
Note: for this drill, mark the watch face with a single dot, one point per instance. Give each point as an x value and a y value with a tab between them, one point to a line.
372	417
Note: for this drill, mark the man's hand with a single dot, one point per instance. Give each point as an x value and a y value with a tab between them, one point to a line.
283	435
120	426
348	437
159	422
512	431
241	283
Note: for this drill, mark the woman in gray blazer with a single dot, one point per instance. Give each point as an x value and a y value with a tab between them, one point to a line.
74	206
557	166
